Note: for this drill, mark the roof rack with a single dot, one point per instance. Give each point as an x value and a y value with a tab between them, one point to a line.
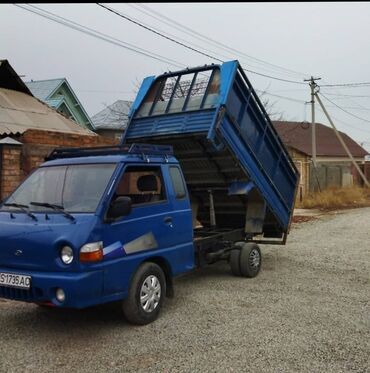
141	149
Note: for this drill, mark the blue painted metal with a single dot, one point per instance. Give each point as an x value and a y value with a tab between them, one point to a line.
147	83
86	284
238	121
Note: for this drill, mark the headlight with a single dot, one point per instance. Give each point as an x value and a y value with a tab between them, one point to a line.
92	252
66	254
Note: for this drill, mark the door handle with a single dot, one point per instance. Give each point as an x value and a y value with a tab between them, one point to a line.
168	220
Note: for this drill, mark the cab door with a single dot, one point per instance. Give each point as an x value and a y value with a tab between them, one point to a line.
148	231
181	214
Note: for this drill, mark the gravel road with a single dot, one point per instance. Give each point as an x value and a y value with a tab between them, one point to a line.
307	311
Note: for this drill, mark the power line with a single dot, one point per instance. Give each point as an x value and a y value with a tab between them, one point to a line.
346	124
156	32
348	112
345	96
211	52
346	84
305	103
168	34
302	101
273	77
97	34
187	46
172	23
279	96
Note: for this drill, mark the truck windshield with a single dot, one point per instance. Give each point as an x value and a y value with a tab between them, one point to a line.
77	188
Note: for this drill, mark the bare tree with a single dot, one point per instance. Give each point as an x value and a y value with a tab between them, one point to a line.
270	107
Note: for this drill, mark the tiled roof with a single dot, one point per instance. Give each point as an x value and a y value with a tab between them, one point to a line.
298	136
113	117
42	89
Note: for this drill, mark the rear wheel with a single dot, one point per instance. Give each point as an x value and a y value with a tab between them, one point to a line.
245	259
146	293
250	260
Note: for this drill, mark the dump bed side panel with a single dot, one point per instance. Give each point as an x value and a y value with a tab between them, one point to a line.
247	130
231	136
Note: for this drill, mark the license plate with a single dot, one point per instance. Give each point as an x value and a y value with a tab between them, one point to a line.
15	281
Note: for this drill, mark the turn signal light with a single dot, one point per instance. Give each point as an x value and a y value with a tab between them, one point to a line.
92	252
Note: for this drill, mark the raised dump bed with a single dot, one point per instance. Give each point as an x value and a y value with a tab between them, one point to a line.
233	159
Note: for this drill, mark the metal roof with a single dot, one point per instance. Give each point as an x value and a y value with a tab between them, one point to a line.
45	89
297	135
20	112
42	89
9	141
113	117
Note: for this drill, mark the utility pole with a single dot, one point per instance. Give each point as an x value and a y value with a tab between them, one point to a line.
343	143
313	85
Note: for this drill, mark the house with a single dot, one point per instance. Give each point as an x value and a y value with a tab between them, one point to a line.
333	165
30	130
111	122
59	95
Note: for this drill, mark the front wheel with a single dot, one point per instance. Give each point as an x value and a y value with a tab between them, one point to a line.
146	293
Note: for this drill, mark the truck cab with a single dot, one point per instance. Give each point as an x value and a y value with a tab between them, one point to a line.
77	229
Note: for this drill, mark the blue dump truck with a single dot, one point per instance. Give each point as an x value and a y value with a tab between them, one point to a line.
201	176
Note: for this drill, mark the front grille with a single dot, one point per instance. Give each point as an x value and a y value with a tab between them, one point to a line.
20	294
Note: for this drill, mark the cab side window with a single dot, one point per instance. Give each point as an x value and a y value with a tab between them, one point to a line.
142	184
177	182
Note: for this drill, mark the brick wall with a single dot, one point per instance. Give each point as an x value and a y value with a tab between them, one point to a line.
302	163
38	144
10	168
18	161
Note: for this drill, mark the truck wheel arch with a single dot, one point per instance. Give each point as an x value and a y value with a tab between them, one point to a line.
166	268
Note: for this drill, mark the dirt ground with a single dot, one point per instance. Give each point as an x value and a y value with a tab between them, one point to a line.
307	311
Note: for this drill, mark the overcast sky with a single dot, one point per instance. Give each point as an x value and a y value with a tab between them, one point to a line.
328	40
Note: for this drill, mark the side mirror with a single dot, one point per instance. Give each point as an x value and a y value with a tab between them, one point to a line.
120	207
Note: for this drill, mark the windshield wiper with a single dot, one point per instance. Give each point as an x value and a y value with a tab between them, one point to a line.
24	208
57	208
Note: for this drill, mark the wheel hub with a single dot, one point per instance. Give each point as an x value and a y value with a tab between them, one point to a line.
254	258
150	293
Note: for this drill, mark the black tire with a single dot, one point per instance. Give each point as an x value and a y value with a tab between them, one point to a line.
235	262
133	308
250	260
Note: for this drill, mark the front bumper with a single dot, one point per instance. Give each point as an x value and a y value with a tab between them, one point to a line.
81	289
